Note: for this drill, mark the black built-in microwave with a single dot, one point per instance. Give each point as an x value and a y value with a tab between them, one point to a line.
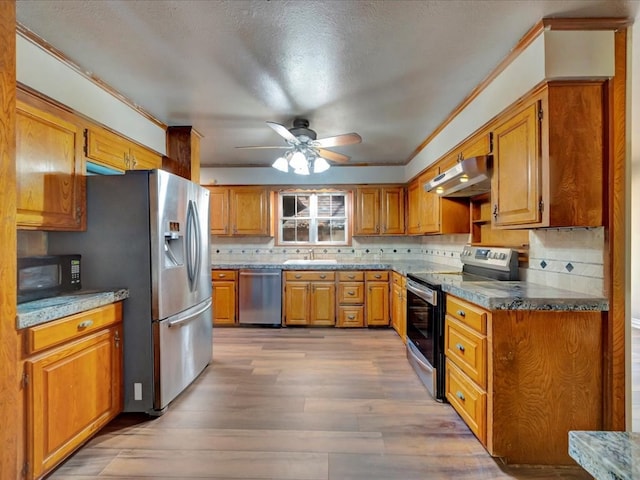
47	276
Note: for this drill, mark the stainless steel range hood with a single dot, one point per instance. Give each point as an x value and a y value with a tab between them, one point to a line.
470	177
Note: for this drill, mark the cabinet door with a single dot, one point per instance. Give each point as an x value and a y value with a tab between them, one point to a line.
413	214
516	183
49	170
224	302
107	149
296	304
367	211
323	304
396	301
429	204
249	210
143	159
219	210
377	303
392	210
74	390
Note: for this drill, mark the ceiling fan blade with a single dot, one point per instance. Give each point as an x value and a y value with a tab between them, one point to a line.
284	133
283	147
338	140
333	156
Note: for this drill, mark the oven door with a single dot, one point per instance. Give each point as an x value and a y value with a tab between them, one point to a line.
423	318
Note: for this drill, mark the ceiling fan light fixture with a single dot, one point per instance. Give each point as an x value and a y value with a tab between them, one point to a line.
320	165
303	169
299	161
281	164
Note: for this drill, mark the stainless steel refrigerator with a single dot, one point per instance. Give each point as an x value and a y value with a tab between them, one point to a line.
148	231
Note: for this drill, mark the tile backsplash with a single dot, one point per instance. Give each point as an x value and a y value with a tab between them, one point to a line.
571	259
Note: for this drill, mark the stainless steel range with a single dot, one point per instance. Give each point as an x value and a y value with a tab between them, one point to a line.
426	311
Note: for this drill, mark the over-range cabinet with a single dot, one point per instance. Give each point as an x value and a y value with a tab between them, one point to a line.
148	231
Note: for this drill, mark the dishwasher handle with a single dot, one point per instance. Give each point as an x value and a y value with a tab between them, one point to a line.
259	274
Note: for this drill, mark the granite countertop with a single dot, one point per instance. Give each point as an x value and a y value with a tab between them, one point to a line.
492	295
607	455
47	309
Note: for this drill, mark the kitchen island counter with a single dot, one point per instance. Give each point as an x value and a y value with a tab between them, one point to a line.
607	455
48	309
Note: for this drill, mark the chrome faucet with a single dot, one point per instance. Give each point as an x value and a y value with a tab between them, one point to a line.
311	254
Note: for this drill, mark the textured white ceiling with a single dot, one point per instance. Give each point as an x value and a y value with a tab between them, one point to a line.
390	70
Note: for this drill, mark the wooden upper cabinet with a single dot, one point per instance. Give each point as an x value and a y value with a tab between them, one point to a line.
431	214
183	152
49	167
113	151
477	145
239	211
379	211
549	159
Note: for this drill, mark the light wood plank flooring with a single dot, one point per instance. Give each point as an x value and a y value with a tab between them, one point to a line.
298	404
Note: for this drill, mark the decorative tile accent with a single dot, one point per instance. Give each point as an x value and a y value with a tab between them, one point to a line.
569	267
543	264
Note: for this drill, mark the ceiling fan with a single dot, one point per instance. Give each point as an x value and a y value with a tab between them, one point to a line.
306	152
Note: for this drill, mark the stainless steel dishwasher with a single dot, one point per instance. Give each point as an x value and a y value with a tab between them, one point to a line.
260	297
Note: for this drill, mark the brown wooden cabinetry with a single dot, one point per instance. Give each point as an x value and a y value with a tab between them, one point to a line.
379	211
431	214
113	151
377	297
399	304
351	295
477	145
241	211
522	379
310	298
549	158
73	378
49	166
224	285
183	152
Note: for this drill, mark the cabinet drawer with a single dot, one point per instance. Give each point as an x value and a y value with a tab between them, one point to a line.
351	292
468	400
469	314
350	316
224	274
377	276
68	328
310	276
351	276
397	279
467	349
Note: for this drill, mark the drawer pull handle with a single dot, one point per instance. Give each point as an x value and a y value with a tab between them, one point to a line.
461	313
460	347
378	276
298	275
460	395
221	275
351	317
351	277
351	292
85	324
323	276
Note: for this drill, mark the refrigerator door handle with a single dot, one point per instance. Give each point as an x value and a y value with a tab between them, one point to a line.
193	245
188	315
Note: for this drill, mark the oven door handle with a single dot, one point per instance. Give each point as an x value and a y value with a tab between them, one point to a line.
425	294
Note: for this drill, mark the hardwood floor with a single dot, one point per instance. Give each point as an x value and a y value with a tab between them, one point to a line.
299	404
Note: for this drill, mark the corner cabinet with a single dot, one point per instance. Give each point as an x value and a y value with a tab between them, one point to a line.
523	379
379	211
549	158
241	211
73	379
49	167
113	151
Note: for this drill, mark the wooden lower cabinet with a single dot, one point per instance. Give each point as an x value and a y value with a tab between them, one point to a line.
224	285
377	293
310	298
399	305
522	379
351	295
73	378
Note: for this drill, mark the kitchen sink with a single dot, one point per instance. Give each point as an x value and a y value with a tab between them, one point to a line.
315	261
